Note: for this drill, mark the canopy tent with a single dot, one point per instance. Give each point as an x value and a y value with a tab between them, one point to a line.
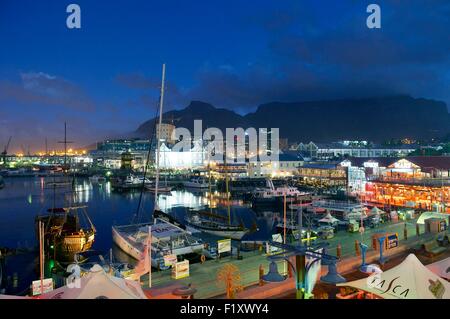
376	211
329	219
97	284
408	280
441	268
426	215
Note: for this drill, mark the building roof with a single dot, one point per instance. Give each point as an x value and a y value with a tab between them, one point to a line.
424	162
382	161
336	145
436	162
289	157
321	165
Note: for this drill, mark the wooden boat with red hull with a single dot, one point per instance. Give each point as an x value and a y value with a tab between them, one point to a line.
64	237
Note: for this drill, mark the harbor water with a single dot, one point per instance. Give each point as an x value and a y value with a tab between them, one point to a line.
25	197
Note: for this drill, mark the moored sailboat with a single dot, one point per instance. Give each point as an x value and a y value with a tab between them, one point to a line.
64	236
167	236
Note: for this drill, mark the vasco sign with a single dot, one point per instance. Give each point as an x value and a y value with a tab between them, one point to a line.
392	287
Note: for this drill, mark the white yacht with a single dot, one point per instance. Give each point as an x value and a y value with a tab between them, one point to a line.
272	195
196	182
167	239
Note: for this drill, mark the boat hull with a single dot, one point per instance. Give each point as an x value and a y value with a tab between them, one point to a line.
64	246
157	262
195	185
124	244
233	234
161	190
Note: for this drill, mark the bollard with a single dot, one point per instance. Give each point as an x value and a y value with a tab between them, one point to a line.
405	233
358	253
417	230
339	251
261	274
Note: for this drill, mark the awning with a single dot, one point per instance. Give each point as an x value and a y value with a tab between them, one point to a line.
376	211
329	219
426	215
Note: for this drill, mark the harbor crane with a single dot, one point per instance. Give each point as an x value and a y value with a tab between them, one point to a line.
5	151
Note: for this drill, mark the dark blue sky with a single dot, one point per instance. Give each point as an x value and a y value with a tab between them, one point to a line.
103	79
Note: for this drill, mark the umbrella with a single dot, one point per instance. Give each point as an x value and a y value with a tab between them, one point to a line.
408	280
97	284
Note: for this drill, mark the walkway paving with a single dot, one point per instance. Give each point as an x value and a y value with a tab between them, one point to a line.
203	276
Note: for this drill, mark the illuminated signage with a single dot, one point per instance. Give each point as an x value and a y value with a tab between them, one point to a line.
180	269
224	245
392	241
47	285
170	260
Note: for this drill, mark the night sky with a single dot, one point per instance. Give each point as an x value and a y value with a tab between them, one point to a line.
103	79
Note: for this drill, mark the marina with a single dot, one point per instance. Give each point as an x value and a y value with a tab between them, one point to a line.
224	151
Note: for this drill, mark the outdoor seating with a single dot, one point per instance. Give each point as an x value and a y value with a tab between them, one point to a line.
442	239
432	248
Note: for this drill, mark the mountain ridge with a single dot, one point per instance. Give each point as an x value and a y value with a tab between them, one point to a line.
375	119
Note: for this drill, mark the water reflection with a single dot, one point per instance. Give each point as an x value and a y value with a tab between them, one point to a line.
24	198
30	196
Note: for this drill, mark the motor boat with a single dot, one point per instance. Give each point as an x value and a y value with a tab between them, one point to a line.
196	182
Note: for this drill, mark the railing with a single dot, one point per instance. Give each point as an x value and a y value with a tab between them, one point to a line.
333	204
411	181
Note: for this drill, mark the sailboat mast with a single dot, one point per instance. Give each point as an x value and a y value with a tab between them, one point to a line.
65	145
158	137
41	254
227	188
65	142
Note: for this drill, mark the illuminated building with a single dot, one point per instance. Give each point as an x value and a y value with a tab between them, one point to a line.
220	170
190	159
286	165
421	182
352	149
165	132
323	174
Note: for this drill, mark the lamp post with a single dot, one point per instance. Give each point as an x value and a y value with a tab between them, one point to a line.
363	266
381	241
301	269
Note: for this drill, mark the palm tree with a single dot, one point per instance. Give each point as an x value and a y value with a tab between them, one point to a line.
230	276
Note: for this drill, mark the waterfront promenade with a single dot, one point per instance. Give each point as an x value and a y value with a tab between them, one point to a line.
203	276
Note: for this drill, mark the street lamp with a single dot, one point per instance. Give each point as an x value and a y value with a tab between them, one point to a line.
273	275
364	266
301	269
333	277
381	241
